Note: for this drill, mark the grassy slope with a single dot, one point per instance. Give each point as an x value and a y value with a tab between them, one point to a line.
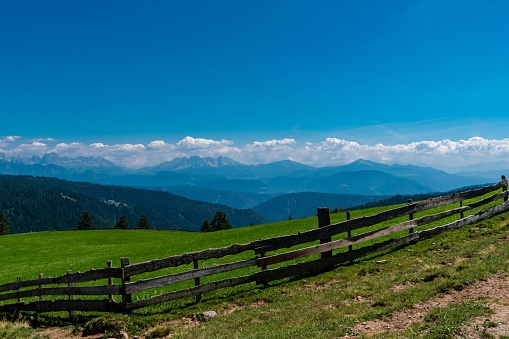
325	305
54	253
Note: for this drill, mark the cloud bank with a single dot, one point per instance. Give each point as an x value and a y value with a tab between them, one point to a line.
330	151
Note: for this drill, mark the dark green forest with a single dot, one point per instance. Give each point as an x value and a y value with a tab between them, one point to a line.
34	204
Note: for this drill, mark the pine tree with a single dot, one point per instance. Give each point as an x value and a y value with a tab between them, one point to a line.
4	224
205	227
122	223
85	222
220	222
142	222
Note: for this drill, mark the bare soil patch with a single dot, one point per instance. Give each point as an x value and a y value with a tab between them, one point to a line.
493	292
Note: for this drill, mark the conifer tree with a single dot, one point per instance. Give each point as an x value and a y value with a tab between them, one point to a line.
142	222
205	227
85	222
220	222
122	223
4	224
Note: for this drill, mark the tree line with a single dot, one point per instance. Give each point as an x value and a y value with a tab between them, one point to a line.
86	223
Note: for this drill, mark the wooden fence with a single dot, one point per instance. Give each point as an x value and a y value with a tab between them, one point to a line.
263	260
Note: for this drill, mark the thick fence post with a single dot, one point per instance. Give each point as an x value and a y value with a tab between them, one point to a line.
196	280
126	297
462	214
41	297
504	187
71	297
264	268
109	264
324	220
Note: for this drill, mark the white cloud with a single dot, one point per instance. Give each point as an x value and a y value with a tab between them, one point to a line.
329	151
10	138
272	143
194	143
97	145
43	139
269	151
34	148
157	145
7	140
129	148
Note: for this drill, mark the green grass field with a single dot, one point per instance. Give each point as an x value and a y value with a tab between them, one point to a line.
321	306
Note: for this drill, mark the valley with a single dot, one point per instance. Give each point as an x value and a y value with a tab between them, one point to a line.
180	194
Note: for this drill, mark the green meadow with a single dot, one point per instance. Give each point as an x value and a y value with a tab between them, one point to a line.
326	305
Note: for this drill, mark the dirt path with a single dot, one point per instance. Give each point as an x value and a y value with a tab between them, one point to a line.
494	292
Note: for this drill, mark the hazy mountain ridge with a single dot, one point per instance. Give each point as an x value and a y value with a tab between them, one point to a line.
229	198
183	163
215	175
195	171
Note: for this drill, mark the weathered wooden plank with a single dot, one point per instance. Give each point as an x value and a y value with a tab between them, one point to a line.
267	245
64	291
78	277
267	276
489	199
468	220
455	197
146	284
64	305
278	258
190	292
317	265
186	259
287	241
333	245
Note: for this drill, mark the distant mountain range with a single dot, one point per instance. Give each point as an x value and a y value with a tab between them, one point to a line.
262	187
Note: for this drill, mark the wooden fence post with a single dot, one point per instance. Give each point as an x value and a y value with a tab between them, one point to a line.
410	217
71	297
41	297
264	268
462	214
126	297
324	220
196	280
348	217
350	247
18	280
109	264
504	187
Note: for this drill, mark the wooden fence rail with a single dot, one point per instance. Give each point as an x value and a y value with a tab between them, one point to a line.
314	242
39	288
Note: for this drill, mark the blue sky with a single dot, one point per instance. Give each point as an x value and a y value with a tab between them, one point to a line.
367	72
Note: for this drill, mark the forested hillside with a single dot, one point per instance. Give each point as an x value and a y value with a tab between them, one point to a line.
34	204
